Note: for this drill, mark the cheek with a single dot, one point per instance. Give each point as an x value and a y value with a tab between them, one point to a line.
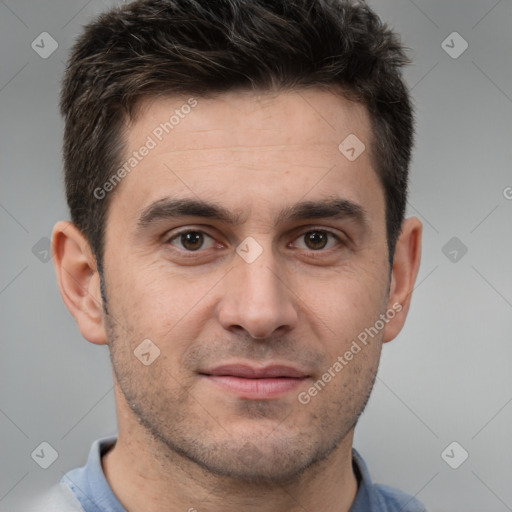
347	302
159	304
349	308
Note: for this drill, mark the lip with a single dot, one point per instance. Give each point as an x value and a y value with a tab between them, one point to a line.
256	383
252	372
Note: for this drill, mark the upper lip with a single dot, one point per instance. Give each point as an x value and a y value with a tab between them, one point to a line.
252	372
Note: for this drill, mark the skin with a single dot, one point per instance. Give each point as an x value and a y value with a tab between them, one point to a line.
184	442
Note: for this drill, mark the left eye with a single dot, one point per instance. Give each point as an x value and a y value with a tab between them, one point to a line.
191	240
316	240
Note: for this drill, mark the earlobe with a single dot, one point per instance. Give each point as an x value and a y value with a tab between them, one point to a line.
406	264
78	280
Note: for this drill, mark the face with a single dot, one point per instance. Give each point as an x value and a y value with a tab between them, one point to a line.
252	253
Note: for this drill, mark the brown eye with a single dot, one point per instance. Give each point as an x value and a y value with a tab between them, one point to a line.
190	240
315	239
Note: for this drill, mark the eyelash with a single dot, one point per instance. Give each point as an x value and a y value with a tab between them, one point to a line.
192	254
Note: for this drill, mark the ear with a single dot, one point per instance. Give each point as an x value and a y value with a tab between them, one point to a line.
406	264
78	280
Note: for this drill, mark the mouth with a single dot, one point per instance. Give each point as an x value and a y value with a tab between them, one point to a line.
256	383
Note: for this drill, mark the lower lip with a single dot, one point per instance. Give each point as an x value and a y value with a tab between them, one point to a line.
256	389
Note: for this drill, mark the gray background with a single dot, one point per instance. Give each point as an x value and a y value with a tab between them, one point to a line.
447	377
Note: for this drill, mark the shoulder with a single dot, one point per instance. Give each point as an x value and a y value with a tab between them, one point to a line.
394	500
59	498
378	497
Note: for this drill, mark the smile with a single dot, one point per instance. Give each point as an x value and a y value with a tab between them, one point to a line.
256	383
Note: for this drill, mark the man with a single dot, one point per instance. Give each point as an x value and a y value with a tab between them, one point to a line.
236	172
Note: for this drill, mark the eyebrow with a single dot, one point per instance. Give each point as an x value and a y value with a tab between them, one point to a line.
169	208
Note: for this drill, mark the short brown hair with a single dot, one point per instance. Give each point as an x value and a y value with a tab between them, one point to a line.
204	47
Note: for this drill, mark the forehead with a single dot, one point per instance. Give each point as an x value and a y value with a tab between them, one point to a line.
316	116
248	148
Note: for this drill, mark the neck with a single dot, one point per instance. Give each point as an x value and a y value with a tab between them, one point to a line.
145	476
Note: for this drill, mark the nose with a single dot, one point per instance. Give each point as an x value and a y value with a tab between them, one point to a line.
256	298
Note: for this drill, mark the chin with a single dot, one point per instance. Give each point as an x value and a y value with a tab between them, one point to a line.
257	460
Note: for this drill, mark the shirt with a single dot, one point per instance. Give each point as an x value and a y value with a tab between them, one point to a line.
86	489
